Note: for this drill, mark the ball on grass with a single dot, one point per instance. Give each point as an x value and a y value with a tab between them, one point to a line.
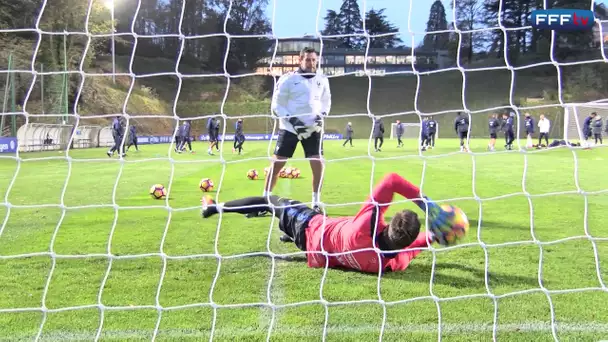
158	191
252	174
206	185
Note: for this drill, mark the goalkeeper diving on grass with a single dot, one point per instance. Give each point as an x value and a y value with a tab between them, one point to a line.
351	239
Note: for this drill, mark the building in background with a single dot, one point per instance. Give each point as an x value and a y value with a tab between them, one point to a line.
339	61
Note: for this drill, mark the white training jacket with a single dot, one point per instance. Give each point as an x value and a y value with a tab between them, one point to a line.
301	96
544	125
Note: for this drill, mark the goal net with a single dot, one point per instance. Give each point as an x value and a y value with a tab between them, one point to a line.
410	130
105	244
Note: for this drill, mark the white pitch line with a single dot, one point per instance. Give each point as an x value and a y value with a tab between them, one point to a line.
303	331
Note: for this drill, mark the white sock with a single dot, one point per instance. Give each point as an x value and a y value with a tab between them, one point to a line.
315	198
267	193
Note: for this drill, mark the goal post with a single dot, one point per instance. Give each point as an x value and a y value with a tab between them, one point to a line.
410	130
574	121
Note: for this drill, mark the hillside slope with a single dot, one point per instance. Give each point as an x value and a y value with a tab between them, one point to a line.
158	92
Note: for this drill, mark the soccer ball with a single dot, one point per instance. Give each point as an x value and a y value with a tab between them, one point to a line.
452	229
158	191
283	173
289	172
296	173
252	174
206	185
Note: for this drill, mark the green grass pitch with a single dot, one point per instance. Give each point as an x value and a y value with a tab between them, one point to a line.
516	291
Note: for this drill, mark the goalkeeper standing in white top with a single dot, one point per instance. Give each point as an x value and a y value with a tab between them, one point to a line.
301	99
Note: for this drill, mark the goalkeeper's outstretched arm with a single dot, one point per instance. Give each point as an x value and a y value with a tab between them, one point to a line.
393	183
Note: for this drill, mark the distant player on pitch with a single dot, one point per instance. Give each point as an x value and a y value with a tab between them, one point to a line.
184	137
424	134
529	123
132	138
399	129
348	134
587	131
314	232
508	129
431	130
596	128
378	133
239	137
461	126
544	125
301	99
211	132
117	133
493	125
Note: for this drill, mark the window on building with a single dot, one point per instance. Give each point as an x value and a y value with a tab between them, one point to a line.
339	71
400	60
339	59
328	71
371	59
359	59
411	59
380	59
390	59
278	60
350	59
288	60
261	71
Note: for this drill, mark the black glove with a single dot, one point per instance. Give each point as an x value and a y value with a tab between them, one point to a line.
302	131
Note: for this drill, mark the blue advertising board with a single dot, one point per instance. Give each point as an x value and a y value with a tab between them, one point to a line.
260	136
8	145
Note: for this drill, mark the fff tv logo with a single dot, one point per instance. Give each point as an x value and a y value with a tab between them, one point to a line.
563	19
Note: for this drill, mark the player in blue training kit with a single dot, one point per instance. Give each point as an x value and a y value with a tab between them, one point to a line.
461	126
132	138
596	127
378	134
217	134
587	133
117	134
529	123
508	129
431	131
239	136
211	132
348	134
493	125
424	134
184	137
399	129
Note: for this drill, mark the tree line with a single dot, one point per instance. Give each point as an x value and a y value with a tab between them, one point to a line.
205	22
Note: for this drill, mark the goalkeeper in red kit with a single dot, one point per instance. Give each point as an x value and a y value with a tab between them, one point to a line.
314	232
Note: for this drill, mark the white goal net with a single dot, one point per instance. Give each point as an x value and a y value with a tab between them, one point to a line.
410	130
87	254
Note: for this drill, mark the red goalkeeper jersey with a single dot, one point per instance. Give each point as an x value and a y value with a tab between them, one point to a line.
349	235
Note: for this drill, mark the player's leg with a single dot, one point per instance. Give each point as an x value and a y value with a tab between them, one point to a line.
547	138
245	206
381	143
284	149
313	151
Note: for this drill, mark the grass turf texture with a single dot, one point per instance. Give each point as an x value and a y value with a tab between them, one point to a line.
133	282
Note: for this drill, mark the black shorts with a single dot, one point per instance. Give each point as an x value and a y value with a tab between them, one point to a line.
212	136
462	135
493	135
294	220
287	143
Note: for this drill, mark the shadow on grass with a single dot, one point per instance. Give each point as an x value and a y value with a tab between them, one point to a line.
422	273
